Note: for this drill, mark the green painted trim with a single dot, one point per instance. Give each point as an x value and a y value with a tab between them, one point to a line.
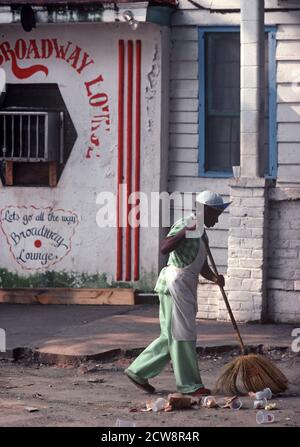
161	15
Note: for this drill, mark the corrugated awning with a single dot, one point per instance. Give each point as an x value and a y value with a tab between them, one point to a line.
81	2
85	11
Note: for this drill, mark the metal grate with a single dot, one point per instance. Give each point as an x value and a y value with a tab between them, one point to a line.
31	136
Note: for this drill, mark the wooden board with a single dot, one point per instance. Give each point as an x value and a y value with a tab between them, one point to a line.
68	296
9	177
52	173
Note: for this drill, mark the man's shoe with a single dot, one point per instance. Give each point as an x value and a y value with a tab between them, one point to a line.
200	392
142	386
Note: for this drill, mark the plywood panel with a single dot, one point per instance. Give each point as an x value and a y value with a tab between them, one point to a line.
68	296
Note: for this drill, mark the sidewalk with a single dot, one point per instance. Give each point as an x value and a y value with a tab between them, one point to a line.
75	332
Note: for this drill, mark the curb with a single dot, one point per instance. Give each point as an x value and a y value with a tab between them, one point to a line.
28	355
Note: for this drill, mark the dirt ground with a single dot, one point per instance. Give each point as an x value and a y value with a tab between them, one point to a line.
95	395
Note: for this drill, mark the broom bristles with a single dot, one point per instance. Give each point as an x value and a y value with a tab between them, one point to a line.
251	373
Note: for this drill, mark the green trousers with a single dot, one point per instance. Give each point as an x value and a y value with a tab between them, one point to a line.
156	356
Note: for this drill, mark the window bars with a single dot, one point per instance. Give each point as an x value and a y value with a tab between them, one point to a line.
31	136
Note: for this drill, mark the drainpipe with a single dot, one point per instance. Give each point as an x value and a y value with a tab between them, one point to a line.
252	87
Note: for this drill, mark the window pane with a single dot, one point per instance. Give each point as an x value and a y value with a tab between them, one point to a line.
223	72
222	106
222	143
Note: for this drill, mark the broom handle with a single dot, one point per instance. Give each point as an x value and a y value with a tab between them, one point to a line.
211	259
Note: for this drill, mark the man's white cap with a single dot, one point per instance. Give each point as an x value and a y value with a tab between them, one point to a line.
212	199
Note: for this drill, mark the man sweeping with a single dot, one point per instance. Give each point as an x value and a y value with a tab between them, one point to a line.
177	289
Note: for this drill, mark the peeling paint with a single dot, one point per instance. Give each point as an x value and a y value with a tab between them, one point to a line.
109	173
151	88
155	69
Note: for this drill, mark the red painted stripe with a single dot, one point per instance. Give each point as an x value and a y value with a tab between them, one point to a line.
129	157
120	157
136	267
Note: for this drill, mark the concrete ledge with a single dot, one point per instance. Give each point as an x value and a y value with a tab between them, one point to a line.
251	182
28	355
68	296
284	194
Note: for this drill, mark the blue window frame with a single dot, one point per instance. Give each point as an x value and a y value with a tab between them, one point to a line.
205	103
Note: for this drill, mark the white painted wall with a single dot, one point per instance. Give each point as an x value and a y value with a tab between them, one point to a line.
284	261
93	250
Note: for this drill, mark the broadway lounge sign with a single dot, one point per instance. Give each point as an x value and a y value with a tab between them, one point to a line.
42	49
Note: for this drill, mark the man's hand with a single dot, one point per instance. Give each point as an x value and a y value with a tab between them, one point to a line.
191	224
220	281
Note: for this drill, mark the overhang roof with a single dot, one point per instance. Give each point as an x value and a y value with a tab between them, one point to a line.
82	2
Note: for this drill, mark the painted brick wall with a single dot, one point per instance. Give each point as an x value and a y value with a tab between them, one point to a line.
284	261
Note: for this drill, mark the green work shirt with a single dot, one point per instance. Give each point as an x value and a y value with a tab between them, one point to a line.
184	254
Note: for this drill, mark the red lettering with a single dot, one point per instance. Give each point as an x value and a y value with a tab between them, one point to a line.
33	50
75	57
85	62
94	140
47	48
88	153
61	50
90	83
20	48
6	50
96	100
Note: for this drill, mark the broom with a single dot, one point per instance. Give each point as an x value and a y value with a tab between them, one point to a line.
248	372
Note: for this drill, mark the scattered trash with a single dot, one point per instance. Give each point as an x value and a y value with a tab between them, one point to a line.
178	401
159	404
31	409
262	417
96	380
209	402
266	393
37	396
259	404
236	404
230	402
85	369
125	423
271	407
287	419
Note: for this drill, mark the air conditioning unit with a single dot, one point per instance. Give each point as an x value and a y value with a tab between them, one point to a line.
31	136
